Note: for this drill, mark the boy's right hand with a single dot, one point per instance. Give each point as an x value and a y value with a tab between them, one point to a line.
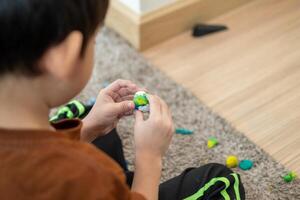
153	136
152	139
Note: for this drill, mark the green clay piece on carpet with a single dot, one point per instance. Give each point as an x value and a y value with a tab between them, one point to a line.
212	142
290	177
246	164
184	131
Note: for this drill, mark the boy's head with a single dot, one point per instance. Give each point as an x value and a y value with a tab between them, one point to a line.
50	43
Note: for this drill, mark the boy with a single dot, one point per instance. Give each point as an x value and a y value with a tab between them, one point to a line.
46	58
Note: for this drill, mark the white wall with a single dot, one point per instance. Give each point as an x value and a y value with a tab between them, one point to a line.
132	4
143	6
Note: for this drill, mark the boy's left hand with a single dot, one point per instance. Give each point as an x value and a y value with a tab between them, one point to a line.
113	102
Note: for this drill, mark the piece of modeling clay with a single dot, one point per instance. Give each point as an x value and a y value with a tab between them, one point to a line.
141	101
232	161
212	142
246	164
184	131
290	177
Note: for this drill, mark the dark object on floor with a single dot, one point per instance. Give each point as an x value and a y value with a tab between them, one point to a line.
200	30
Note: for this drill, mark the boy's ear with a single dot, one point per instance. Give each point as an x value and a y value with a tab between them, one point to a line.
61	60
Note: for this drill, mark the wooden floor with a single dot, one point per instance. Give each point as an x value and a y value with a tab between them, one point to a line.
250	74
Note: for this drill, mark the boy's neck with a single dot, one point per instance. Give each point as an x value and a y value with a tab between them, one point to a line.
21	107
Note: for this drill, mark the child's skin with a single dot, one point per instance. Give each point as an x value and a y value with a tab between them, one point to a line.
26	102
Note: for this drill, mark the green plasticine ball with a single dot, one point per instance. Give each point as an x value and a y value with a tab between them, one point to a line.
212	142
246	164
290	177
141	101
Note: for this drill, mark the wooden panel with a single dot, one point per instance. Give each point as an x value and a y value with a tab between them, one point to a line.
250	74
151	28
124	21
171	20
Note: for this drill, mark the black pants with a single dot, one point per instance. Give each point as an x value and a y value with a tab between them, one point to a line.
209	182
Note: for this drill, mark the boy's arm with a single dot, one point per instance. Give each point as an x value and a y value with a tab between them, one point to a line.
147	176
152	139
88	132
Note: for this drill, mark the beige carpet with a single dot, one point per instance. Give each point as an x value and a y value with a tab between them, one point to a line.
115	59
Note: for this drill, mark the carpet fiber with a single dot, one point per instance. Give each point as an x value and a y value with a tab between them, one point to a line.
116	59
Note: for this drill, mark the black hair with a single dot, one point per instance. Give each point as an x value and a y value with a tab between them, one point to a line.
29	27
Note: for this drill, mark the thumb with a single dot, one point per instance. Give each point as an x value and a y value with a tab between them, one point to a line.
138	116
124	107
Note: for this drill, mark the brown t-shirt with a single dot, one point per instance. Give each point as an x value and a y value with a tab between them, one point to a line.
56	165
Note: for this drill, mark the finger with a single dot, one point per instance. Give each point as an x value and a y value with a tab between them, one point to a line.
123	94
127	91
118	98
170	114
166	117
118	84
128	113
139	117
144	89
173	128
125	98
164	108
113	95
155	106
119	89
123	107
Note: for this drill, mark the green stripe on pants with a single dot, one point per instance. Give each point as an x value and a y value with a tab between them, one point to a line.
200	192
236	186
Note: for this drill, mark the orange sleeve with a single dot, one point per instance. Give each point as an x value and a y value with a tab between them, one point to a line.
86	172
89	184
90	174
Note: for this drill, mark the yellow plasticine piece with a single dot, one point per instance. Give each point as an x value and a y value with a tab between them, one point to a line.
232	161
212	142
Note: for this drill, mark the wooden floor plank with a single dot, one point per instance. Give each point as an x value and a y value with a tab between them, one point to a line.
250	74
